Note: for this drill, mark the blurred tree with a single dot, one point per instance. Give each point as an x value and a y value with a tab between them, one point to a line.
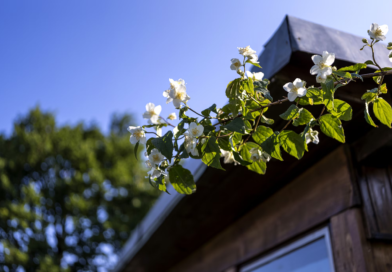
68	195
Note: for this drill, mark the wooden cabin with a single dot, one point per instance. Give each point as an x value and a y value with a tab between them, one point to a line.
329	211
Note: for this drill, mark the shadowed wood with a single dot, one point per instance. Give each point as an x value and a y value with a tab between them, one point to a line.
309	200
352	251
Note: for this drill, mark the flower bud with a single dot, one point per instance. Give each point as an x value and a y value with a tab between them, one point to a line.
334	68
364	40
165	163
239	71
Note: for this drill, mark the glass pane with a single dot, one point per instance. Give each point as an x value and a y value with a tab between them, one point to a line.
309	258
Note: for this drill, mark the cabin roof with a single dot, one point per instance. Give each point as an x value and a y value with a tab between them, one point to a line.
294	36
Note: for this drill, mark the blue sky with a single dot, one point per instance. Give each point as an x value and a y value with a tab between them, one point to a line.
87	59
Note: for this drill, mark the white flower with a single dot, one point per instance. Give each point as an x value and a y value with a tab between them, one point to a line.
312	136
152	113
257	155
177	93
172	116
255	76
246	51
155	173
322	64
321	78
253	58
159	131
148	164
378	32
195	130
295	89
235	64
228	157
155	157
190	144
137	135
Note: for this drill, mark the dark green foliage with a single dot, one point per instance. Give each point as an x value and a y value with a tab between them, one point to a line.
51	176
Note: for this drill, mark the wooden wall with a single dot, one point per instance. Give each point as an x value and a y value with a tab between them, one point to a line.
322	192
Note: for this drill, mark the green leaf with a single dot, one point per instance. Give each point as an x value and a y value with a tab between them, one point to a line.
182	180
247	85
266	120
382	110
290	113
182	112
258	167
292	143
304	117
342	110
238	158
332	127
207	111
377	79
233	88
237	125
224	143
253	63
261	86
353	68
179	130
383	88
369	62
160	182
272	146
343	74
149	145
135	149
368	118
261	134
357	76
165	145
211	153
327	93
235	139
369	96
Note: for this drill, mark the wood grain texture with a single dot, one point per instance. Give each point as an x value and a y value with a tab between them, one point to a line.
309	200
352	251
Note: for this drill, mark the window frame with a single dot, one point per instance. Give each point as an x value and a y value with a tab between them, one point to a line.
316	235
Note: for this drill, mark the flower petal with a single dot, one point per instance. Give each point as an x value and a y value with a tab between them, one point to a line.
177	103
314	70
259	76
133	139
384	29
298	83
158	109
329	58
301	92
292	96
288	86
316	59
373	27
147	115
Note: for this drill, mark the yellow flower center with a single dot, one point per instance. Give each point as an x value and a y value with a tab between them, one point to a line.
138	134
322	65
180	95
378	32
294	90
155	157
195	131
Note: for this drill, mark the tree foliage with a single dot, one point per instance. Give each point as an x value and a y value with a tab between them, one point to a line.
67	194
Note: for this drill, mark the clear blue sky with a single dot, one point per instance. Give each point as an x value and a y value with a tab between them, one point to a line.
86	59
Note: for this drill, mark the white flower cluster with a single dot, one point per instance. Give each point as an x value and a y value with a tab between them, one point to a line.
249	54
176	93
257	155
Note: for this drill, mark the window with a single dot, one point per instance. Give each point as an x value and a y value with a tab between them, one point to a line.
309	254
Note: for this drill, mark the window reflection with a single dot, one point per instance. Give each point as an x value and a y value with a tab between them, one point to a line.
309	258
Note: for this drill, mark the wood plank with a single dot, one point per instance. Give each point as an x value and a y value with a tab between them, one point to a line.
382	254
311	199
381	195
349	244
